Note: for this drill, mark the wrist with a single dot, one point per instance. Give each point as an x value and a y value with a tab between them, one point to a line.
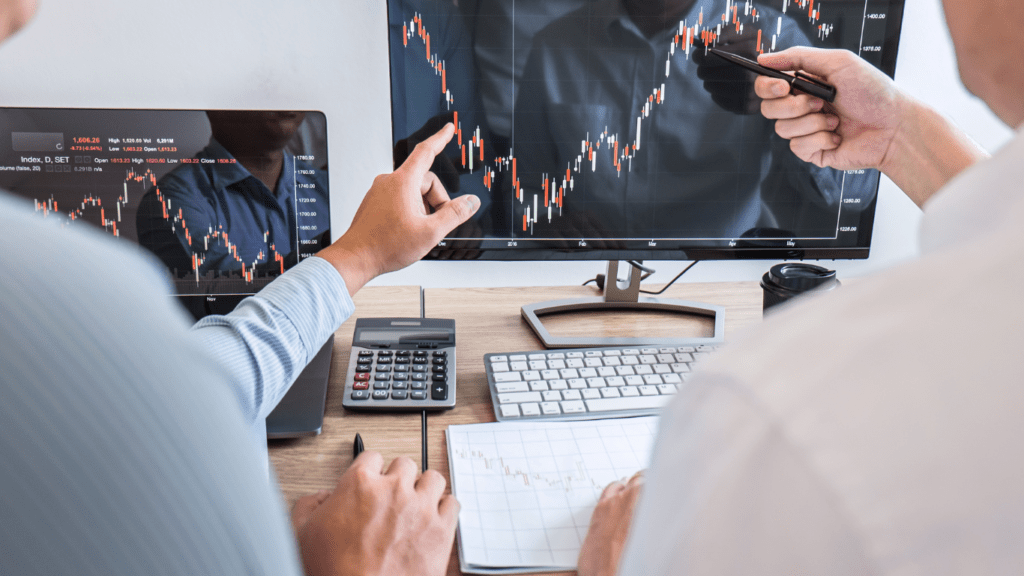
356	266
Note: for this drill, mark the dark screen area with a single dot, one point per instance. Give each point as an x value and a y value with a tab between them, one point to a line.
601	129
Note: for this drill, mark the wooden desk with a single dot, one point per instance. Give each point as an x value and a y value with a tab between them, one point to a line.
487	320
306	465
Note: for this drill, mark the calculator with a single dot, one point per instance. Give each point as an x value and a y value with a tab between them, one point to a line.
401	364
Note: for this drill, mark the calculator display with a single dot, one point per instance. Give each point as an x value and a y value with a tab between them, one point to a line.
396	336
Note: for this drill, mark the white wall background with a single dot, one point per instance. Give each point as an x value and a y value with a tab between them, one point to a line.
332	56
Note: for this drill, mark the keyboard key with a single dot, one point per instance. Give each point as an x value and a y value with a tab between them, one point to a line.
511	386
530	409
610	393
606	371
538	385
590	393
648	359
680	368
705	348
551	395
571	395
625	370
667	389
517	358
653	379
629	391
665	359
507	377
649	351
531	375
592	353
519	366
536	357
648	390
662	369
634	380
558	384
574	363
630	352
549	374
568	373
596	383
630	361
687	349
683	357
644	369
574	354
612	361
510	411
666	350
556	364
499	359
636	403
588	373
550	408
538	365
499	366
556	356
573	406
577	383
593	362
671	378
613	353
518	397
615	381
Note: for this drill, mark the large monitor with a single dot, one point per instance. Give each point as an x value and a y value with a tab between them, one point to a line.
604	130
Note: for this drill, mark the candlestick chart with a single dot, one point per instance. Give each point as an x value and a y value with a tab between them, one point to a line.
611	149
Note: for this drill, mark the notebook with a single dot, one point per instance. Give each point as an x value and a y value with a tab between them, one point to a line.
528	489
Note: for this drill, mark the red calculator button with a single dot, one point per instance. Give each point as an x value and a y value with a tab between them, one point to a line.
362	376
360	385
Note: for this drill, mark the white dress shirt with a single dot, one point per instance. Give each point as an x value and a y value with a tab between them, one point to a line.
876	429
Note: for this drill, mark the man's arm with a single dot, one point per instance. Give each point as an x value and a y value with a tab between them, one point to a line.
269	338
871	124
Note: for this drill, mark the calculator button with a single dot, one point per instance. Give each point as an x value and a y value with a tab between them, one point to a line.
418	385
400	385
360	385
401	367
419	367
362	376
401	377
419	377
418	395
381	361
384	353
439	370
383	369
380	394
381	385
440	354
510	411
419	361
365	353
399	394
402	360
439	378
530	409
439	392
403	353
360	394
363	367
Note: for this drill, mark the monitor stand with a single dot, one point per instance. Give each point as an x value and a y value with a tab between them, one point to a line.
621	296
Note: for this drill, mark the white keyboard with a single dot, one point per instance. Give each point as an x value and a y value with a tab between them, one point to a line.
588	383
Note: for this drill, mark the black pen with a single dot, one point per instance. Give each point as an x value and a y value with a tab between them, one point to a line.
357	446
801	81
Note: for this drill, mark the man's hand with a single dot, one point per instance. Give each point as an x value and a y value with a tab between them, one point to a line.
394	227
855	132
385	524
870	125
730	86
609	527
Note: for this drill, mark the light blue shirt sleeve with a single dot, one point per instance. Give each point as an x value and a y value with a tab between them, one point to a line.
270	337
124	449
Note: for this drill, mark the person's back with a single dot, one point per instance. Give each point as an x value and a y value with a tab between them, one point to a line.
95	385
884	437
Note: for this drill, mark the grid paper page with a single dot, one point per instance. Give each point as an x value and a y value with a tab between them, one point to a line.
528	489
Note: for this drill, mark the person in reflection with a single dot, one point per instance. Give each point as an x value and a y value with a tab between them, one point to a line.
699	164
244	205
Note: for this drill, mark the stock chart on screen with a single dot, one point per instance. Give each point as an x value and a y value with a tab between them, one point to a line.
226	200
604	125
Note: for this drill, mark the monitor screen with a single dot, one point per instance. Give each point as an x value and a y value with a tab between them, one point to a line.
604	129
226	199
